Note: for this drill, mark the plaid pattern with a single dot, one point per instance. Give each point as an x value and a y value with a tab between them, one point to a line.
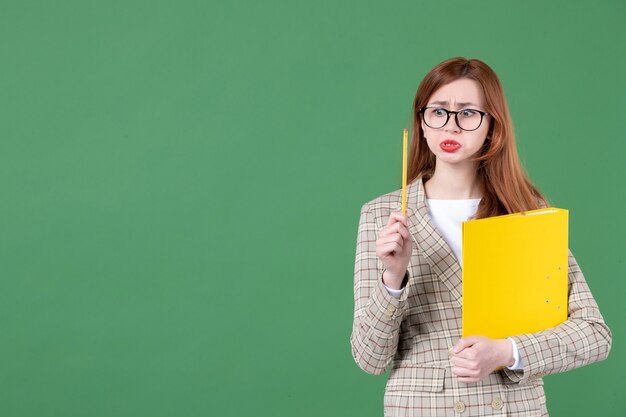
414	333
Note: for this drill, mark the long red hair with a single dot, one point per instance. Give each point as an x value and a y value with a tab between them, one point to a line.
505	185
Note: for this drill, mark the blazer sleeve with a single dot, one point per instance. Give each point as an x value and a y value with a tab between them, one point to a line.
582	339
377	315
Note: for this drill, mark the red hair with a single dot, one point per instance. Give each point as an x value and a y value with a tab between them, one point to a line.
505	185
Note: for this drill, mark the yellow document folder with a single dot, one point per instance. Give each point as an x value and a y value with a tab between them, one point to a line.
515	273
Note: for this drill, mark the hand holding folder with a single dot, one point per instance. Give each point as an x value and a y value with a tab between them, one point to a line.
515	273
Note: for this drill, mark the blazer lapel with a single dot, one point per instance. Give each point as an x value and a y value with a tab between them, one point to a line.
429	242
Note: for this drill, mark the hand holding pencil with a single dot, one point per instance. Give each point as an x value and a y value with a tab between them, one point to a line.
394	244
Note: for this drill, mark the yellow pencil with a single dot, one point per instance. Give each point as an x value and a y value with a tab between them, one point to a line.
404	146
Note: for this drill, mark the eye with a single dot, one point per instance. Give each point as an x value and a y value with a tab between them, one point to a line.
468	113
439	112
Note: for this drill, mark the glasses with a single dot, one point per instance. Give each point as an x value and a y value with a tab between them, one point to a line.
466	119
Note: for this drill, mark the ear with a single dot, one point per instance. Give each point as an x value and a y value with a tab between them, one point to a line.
421	120
489	134
490	131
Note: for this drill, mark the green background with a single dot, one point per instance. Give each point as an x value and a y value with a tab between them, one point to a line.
180	186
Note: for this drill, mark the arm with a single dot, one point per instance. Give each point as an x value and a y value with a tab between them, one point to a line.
377	314
582	339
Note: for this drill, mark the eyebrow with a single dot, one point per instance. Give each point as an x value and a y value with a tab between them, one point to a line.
445	103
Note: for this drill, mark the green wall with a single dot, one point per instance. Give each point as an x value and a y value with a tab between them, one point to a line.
180	186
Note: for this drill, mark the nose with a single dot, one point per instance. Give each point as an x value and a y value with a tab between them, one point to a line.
451	125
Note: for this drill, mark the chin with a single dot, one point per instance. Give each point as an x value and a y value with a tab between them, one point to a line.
453	159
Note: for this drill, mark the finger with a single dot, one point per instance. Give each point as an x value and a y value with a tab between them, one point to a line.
389	248
396	237
464	343
464	372
393	228
467	353
401	229
468	380
398	216
463	362
402	218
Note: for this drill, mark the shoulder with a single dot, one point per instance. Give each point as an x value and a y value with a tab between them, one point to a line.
391	200
379	209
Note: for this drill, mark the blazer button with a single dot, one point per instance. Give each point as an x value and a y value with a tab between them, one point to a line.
459	406
389	313
497	404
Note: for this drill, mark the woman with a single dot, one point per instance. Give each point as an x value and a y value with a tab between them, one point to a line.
463	164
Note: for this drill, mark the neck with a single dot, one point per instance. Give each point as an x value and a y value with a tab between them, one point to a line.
451	182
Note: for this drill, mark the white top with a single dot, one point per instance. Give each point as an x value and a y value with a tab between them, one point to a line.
448	216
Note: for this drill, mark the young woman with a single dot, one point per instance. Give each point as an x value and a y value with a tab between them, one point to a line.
463	164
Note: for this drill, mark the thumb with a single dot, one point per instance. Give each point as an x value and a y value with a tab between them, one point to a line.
465	343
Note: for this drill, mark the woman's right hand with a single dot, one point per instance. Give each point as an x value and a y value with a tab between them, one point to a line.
393	247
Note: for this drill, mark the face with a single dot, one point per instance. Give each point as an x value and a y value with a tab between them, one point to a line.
451	144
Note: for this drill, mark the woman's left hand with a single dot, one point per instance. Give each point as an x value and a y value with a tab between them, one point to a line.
475	357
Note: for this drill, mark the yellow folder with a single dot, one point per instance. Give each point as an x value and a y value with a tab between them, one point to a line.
515	273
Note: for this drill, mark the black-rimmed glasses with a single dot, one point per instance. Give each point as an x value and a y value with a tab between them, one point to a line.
466	119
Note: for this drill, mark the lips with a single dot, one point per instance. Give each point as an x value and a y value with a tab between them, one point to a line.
450	145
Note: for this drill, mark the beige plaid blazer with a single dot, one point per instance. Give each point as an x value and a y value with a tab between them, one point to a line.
414	333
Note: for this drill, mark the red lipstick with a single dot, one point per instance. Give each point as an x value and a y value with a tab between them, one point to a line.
450	145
